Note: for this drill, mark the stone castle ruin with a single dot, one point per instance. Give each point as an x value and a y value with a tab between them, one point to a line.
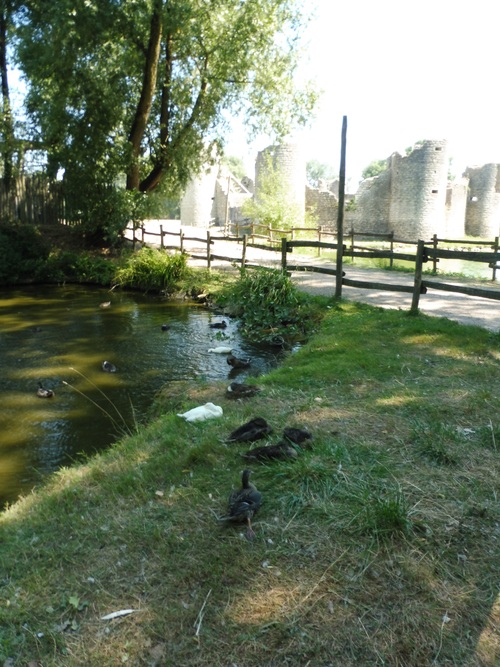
412	197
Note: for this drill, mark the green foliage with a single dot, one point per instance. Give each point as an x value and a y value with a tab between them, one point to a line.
22	253
319	171
105	106
272	207
235	166
269	306
78	268
153	270
374	168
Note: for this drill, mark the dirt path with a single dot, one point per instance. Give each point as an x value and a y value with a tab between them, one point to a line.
459	307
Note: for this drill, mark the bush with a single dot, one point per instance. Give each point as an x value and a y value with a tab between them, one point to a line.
22	253
270	307
153	270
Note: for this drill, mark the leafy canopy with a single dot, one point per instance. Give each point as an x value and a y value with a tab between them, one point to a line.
145	88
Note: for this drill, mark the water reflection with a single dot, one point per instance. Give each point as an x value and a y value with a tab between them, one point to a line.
61	335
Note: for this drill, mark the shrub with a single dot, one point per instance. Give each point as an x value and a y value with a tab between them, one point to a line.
270	307
153	270
22	253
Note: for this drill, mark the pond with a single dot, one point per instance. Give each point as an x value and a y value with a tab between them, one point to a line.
59	337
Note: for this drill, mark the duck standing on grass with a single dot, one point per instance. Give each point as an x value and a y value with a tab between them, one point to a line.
243	504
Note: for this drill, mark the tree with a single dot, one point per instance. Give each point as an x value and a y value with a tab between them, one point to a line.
235	165
272	206
317	171
144	87
7	133
374	168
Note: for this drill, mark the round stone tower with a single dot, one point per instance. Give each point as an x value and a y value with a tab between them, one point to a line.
483	203
289	164
418	191
197	203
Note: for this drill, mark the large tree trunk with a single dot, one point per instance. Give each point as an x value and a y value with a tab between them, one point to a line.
147	94
7	128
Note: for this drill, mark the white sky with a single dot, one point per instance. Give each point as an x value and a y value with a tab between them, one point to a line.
401	71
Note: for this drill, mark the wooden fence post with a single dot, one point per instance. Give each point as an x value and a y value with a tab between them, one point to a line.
417	286
320	229
495	250
434	259
161	238
283	252
181	240
391	239
209	256
340	211
244	251
352	244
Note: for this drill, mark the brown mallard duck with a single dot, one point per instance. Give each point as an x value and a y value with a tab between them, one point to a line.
43	392
235	362
243	504
298	436
282	451
255	429
218	325
108	367
241	390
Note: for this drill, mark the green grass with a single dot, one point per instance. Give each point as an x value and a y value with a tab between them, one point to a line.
380	546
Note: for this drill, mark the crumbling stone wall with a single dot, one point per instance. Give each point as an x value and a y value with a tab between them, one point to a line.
322	205
288	160
455	208
372	204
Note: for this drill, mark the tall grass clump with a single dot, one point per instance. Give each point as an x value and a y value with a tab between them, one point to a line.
270	307
152	270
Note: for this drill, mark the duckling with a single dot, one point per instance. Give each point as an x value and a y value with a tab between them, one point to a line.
108	367
42	392
281	451
243	504
165	327
241	390
255	429
218	325
237	363
105	304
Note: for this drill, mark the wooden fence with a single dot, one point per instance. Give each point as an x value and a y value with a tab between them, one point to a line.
32	200
424	252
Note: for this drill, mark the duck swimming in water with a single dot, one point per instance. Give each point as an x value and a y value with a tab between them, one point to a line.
237	363
218	325
108	367
43	392
243	504
165	327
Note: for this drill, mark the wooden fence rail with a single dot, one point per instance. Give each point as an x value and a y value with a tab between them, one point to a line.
425	251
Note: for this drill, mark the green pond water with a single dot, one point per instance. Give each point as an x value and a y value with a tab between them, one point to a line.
58	335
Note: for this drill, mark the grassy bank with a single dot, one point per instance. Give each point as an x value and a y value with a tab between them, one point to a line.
380	546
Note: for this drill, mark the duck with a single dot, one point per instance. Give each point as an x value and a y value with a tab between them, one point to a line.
221	349
243	504
298	436
255	429
165	327
202	412
241	390
218	325
238	363
108	367
105	304
43	392
281	452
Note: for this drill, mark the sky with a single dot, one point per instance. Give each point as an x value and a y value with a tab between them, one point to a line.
401	71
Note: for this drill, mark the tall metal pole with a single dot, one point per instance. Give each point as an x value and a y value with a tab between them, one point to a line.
340	214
